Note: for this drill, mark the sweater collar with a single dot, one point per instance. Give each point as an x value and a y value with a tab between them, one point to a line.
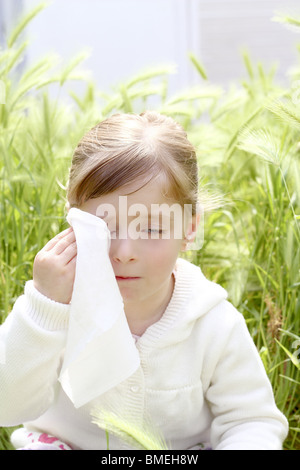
193	296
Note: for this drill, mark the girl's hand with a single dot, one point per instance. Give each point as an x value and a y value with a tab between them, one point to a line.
54	267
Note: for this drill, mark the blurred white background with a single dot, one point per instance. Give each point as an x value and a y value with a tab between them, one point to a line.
126	36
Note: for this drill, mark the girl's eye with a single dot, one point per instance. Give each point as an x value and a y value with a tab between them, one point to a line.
154	230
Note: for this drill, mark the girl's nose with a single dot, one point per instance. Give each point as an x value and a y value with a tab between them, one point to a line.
123	251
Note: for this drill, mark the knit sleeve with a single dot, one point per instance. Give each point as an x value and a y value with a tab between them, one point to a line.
32	340
240	394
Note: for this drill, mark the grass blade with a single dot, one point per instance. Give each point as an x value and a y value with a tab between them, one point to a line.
292	357
200	69
24	22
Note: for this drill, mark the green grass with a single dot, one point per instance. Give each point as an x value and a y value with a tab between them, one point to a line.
248	145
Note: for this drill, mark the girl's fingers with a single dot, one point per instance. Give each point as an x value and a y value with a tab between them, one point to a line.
51	243
63	243
73	260
69	253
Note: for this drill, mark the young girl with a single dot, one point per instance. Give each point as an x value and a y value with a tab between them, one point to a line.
199	380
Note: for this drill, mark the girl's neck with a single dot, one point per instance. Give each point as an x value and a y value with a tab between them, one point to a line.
141	315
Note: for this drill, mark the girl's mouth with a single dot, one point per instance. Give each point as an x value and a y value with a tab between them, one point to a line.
126	278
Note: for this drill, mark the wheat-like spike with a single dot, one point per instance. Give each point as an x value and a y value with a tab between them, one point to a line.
24	22
143	438
260	142
286	111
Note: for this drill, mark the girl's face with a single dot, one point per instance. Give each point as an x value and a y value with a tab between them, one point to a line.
144	246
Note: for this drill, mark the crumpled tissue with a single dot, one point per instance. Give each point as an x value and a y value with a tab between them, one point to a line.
100	350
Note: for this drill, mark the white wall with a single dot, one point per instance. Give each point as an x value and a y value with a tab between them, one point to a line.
127	35
227	26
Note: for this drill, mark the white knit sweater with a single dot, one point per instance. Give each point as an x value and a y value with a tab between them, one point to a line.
200	377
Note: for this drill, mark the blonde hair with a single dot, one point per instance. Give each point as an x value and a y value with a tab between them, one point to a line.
127	147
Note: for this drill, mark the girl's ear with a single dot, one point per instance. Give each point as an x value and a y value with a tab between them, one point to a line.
191	231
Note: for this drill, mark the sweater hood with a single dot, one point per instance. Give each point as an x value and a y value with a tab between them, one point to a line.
199	294
193	297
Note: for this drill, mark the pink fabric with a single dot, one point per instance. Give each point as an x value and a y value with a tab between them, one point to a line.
26	440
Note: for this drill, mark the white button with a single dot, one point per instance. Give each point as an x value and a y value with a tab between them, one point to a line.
135	388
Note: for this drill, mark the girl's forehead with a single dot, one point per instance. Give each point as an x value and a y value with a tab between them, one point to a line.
151	189
143	193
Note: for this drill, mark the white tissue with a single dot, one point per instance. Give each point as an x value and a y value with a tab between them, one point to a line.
100	351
